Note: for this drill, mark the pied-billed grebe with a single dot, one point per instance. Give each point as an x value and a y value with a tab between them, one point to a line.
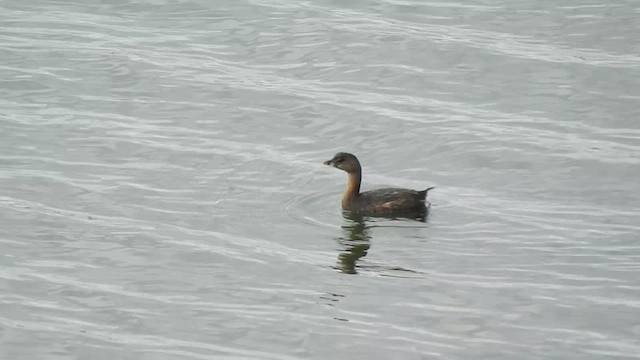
381	201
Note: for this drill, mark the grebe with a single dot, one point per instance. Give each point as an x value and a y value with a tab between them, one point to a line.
387	201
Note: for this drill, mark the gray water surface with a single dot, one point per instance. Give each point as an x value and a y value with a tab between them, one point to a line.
162	193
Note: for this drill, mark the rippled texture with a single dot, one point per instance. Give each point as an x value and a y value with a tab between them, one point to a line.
163	194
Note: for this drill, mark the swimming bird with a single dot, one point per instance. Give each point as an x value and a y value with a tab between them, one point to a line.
388	201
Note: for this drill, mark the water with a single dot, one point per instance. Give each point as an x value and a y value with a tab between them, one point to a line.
162	193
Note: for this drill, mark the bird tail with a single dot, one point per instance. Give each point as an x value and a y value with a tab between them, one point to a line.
425	191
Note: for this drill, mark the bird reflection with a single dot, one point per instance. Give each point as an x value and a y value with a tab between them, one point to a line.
355	239
355	243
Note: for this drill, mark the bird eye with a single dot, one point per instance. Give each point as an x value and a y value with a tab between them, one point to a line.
339	160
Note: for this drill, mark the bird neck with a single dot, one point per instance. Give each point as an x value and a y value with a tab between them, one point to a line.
353	187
